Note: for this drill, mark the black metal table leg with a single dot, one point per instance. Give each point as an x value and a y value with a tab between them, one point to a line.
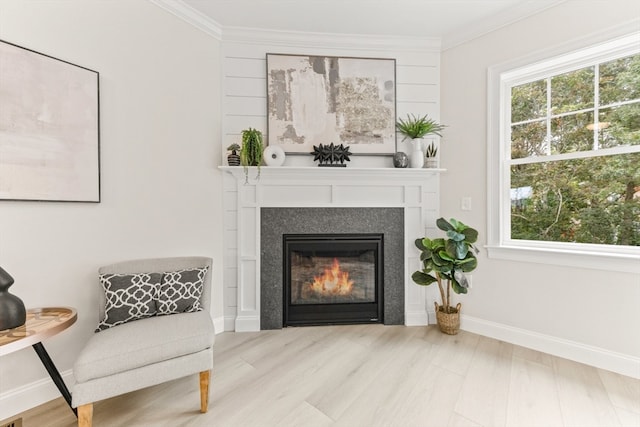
54	374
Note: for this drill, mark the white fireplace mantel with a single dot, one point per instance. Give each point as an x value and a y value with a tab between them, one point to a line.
414	190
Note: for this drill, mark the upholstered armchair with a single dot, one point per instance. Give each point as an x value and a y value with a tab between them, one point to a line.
154	326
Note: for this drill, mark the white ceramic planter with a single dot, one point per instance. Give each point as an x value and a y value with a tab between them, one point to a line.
417	155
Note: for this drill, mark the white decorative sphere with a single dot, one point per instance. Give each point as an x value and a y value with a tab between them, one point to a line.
273	155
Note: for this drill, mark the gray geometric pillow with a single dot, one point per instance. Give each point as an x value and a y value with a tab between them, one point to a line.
128	297
180	291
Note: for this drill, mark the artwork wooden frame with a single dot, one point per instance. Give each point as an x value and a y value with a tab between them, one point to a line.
49	128
315	100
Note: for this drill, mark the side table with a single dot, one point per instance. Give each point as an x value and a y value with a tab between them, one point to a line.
41	323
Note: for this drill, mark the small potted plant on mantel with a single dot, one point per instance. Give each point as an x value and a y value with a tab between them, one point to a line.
447	260
251	151
430	156
416	128
233	158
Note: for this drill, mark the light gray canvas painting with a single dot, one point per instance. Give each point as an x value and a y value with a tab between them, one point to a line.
49	132
322	99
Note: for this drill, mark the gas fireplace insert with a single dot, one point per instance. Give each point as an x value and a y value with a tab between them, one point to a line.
333	279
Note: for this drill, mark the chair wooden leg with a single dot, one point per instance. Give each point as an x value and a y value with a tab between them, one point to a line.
85	415
204	390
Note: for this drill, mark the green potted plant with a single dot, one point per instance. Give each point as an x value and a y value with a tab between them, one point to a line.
416	128
233	159
430	155
251	150
445	261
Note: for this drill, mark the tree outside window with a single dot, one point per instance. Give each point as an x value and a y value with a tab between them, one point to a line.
575	154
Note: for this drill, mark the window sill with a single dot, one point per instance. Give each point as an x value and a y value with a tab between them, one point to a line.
624	263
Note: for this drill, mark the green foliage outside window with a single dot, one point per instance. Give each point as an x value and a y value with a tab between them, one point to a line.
582	194
580	200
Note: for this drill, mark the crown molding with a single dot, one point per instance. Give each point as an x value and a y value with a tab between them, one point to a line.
330	40
507	17
352	41
191	16
295	38
349	41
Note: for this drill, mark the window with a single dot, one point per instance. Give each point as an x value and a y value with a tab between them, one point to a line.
565	152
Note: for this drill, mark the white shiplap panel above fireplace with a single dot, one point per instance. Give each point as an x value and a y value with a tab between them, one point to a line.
245	89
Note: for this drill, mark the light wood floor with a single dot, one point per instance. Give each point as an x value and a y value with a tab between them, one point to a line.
373	375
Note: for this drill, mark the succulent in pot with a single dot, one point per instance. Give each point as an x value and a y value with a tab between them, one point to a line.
431	151
416	128
234	158
430	155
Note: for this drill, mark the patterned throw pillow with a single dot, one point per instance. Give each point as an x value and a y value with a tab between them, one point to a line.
180	291
128	297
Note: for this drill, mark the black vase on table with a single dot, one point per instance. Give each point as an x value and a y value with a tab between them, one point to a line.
12	311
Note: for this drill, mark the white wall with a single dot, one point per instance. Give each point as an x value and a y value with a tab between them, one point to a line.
584	310
160	148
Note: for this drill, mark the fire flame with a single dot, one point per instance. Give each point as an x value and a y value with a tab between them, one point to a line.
333	281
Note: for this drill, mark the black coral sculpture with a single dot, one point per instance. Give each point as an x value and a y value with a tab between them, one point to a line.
331	155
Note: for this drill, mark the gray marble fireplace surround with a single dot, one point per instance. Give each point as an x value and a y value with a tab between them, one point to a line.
274	222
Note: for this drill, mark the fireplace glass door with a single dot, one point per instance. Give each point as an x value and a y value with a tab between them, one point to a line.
333	278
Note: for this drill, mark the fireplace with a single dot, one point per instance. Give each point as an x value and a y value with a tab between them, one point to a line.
332	279
398	203
387	222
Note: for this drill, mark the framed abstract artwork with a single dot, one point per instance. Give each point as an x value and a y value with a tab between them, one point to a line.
49	128
315	100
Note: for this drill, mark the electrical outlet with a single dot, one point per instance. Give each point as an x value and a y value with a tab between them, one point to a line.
465	203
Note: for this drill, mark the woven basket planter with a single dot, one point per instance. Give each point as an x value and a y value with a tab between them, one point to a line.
449	323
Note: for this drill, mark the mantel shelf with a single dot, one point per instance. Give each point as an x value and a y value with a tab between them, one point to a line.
301	172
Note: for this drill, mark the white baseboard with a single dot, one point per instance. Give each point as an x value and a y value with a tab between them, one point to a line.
589	355
219	325
30	395
230	323
416	319
247	324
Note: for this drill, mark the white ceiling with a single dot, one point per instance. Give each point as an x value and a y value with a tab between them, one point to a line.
452	21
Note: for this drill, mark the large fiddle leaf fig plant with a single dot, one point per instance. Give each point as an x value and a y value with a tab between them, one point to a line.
447	260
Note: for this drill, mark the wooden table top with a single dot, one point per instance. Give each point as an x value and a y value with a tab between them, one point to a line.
41	323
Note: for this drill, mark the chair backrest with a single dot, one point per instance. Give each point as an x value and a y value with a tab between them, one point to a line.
159	265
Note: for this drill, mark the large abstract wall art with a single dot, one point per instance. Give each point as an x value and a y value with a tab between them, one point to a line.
315	100
49	128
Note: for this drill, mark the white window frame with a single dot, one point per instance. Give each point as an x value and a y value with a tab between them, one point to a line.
500	79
